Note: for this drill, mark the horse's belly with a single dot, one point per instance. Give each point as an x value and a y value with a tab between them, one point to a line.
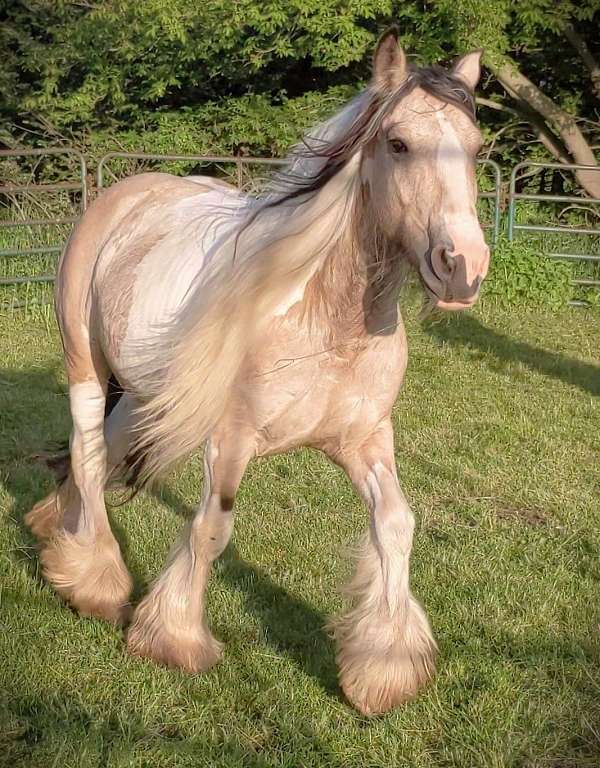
328	422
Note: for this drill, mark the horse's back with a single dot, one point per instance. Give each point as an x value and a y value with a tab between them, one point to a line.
131	258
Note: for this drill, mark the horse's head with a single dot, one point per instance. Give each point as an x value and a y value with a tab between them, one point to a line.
420	171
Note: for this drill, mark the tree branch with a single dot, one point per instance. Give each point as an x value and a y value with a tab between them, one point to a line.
584	52
547	118
552	143
496	105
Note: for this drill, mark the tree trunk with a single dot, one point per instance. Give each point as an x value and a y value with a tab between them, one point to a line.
564	124
541	130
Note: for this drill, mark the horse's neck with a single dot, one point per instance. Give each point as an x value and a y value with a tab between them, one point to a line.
355	292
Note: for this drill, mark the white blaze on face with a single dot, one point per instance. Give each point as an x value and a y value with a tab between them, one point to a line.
458	200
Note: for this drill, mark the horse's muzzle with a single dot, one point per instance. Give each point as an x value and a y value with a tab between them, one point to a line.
451	279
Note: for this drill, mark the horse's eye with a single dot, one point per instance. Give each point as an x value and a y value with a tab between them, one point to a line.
398	146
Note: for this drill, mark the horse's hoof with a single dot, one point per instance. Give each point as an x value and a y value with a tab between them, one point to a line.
380	670
118	614
193	651
376	685
91	577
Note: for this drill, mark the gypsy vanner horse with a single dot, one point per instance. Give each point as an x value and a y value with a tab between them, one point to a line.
256	325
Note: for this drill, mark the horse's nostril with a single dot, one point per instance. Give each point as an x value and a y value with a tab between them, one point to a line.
449	261
443	263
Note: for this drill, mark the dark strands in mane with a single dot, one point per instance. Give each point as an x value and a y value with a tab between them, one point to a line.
289	185
434	79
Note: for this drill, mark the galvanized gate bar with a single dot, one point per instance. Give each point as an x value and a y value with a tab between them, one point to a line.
31	251
495	195
41	188
560	230
513	227
38	222
24	280
573	256
238	160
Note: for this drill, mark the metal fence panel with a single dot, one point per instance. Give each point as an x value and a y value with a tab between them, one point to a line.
514	197
19	193
242	164
245	178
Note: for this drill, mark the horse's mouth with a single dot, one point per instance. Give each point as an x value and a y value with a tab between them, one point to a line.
453	306
447	303
432	283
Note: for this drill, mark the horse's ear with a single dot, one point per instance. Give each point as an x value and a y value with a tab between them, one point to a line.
468	68
389	62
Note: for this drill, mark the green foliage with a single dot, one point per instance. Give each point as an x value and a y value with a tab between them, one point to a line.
117	62
218	75
521	274
252	124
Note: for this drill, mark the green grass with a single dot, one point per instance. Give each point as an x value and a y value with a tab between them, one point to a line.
497	444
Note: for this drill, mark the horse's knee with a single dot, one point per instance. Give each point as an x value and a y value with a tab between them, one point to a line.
211	530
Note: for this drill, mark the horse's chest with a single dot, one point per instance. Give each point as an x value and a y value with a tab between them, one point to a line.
325	400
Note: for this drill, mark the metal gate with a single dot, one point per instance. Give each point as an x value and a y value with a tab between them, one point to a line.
239	170
590	234
239	164
32	227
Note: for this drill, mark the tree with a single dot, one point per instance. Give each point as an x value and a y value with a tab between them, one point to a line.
230	75
509	30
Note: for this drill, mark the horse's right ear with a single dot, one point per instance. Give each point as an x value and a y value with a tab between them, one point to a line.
389	62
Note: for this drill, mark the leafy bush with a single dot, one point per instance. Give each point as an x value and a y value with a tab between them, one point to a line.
216	73
521	274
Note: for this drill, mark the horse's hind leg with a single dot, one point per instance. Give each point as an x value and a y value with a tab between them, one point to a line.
46	516
80	555
169	625
385	650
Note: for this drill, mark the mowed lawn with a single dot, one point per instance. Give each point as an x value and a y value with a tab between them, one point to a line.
498	437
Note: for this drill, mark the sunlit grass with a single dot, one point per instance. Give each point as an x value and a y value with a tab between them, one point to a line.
497	433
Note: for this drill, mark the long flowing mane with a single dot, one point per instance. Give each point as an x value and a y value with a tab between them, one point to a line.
266	246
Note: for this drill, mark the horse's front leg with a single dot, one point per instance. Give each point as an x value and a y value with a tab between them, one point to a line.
170	625
385	649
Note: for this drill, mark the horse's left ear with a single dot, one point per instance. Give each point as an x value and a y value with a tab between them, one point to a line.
389	62
468	68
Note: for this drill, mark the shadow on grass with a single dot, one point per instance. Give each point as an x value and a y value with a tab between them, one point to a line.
294	628
33	413
466	330
33	404
35	730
